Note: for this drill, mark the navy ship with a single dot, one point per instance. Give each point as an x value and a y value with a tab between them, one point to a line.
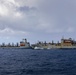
25	45
64	44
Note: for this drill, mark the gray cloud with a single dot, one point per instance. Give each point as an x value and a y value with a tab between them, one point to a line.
37	17
59	14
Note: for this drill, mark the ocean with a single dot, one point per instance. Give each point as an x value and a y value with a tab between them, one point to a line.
37	62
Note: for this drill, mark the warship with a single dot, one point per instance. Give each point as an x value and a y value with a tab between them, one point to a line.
25	45
64	44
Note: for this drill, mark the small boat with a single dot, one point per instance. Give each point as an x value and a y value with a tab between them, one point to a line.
38	48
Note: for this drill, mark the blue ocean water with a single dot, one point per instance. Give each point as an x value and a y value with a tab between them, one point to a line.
37	62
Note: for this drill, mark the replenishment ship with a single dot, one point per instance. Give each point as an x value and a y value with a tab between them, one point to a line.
64	44
25	45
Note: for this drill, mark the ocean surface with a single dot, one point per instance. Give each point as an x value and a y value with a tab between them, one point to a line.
37	62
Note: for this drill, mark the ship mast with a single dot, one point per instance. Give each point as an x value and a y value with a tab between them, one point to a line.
25	40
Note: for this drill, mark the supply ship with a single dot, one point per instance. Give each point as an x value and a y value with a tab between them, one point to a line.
64	44
25	45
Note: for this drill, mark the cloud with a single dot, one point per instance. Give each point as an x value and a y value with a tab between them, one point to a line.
9	32
8	8
42	17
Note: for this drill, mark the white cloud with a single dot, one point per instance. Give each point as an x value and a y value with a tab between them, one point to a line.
8	8
9	32
3	10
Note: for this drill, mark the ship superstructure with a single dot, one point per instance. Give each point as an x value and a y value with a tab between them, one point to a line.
68	43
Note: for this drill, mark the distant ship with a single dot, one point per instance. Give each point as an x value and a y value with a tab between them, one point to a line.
64	44
25	45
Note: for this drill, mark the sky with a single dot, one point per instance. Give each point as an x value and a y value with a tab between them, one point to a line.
43	20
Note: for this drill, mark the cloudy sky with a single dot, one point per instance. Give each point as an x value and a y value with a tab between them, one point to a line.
37	20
